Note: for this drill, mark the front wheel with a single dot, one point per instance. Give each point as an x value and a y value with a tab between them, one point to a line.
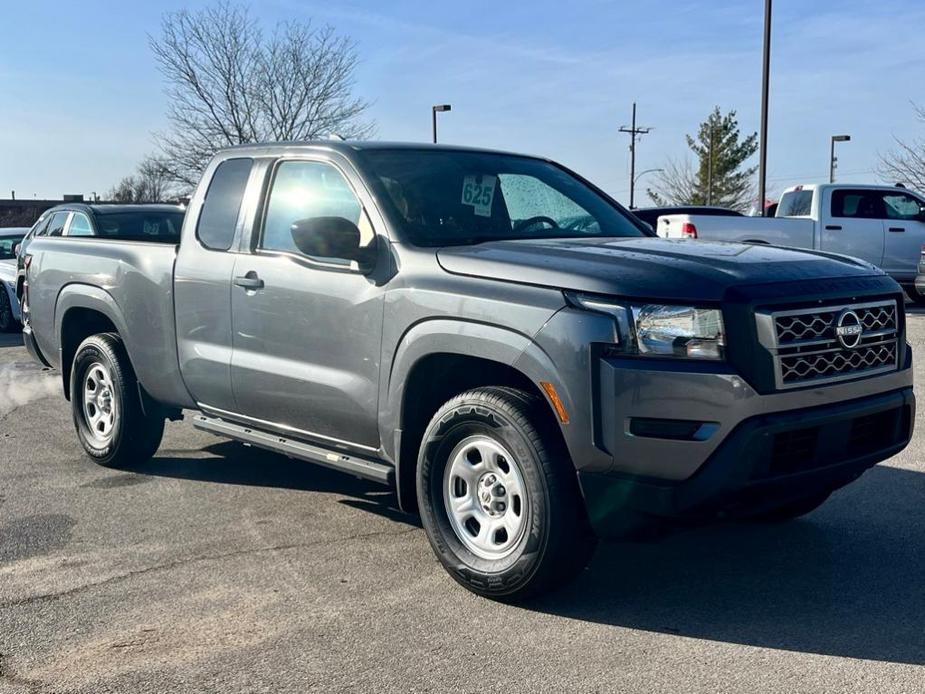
499	497
106	406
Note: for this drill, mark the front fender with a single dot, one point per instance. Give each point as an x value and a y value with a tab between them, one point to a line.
440	336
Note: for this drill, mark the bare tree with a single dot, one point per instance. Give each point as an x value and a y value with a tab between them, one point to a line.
230	84
150	183
677	184
906	162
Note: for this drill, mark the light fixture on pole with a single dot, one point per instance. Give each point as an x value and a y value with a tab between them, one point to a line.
643	173
833	161
441	108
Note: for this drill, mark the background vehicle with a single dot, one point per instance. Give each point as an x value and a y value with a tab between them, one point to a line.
10	238
650	215
883	225
142	222
435	319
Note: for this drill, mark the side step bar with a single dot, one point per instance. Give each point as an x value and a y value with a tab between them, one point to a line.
367	469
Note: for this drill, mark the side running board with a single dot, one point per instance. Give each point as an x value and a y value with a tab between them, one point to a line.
367	469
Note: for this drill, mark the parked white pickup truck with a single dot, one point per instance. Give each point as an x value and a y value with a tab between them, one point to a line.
883	225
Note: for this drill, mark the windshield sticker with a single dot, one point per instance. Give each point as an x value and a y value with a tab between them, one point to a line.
479	191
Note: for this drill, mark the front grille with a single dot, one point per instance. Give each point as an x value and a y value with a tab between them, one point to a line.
808	349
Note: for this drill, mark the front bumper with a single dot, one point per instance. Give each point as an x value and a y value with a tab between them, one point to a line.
765	461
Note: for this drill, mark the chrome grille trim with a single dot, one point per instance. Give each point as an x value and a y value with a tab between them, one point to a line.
806	350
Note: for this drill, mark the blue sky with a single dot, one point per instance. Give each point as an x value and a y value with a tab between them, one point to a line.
80	94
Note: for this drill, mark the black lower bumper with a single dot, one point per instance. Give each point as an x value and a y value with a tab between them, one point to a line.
766	461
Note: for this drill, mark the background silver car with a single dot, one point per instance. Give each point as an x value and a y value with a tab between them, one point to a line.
9	305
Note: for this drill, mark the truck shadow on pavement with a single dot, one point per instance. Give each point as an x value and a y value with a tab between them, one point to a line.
844	581
239	464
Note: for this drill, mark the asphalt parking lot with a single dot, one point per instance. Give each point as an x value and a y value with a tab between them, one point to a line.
217	567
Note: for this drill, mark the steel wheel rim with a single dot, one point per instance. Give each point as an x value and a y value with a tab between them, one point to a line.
99	402
485	497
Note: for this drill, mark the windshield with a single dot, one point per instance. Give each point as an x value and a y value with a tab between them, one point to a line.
145	225
455	197
7	245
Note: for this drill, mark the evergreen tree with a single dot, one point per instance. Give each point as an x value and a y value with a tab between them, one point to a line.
720	177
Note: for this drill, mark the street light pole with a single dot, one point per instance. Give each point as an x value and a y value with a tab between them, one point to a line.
710	170
434	110
643	173
765	79
832	160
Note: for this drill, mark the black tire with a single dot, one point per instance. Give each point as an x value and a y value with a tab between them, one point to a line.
915	295
8	323
133	437
791	511
556	542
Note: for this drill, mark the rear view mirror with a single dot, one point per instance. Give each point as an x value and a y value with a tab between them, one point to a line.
332	237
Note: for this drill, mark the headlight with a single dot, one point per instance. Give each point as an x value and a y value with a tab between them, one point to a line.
660	330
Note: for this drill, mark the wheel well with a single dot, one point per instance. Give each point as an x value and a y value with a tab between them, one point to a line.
432	381
77	325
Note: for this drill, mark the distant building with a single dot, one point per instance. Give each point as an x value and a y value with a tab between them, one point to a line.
23	213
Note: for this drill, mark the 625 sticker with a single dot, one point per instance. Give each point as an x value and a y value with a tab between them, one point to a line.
479	191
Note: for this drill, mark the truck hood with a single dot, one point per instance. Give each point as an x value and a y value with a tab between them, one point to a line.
645	267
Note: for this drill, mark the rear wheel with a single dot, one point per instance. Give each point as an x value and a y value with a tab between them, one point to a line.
106	406
7	321
499	498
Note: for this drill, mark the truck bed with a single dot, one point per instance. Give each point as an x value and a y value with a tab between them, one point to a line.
130	282
777	231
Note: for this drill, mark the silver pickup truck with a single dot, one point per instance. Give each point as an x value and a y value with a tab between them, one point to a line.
487	333
884	225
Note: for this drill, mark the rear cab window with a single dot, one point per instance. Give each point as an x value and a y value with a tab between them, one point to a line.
795	203
56	224
218	219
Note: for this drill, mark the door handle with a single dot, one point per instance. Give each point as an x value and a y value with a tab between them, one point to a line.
897	228
832	227
249	281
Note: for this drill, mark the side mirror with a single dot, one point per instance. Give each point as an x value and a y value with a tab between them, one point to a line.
334	238
16	249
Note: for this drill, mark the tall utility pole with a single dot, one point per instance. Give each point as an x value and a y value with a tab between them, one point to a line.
633	132
765	79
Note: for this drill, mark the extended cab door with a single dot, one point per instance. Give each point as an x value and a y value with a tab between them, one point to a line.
851	224
905	234
307	328
202	280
